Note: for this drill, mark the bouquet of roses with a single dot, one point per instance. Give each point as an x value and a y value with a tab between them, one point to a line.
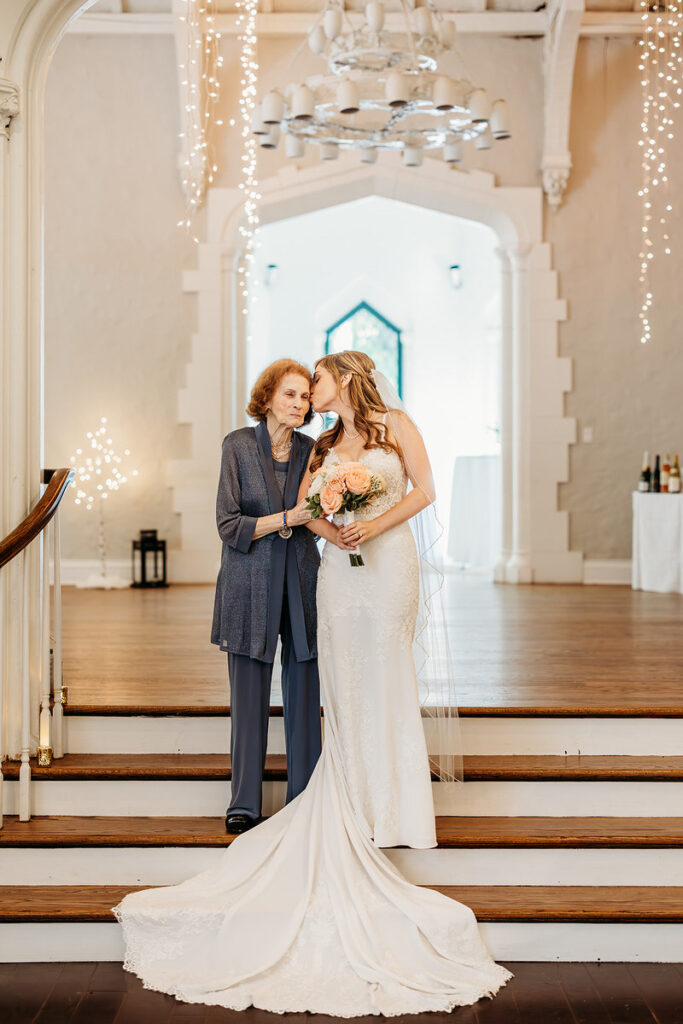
342	489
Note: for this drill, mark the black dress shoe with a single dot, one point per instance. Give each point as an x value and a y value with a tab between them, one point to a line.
237	823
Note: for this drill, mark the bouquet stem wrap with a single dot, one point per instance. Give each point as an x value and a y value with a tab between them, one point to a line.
355	556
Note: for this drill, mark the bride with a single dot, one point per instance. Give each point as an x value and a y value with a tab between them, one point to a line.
304	912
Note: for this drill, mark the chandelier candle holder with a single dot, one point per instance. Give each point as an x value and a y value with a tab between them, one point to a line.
99	471
382	90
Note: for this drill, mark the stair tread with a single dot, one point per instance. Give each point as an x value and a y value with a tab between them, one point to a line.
655	709
476	767
452	832
489	903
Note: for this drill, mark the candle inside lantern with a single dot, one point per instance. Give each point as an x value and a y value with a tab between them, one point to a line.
44	730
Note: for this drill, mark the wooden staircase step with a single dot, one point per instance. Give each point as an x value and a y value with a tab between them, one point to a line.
452	832
656	709
567	768
571	903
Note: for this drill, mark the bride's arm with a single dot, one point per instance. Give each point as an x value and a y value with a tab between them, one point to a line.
323	527
419	472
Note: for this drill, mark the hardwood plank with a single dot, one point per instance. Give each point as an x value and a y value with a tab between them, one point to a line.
452	832
620	994
71	986
582	995
661	991
489	903
540	996
23	994
492	768
98	1008
545	647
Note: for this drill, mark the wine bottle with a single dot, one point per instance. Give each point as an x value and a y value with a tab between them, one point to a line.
675	478
644	482
666	470
656	476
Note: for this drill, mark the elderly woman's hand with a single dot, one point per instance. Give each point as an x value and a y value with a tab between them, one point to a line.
299	515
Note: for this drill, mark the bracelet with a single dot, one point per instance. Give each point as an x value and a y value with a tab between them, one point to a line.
285	531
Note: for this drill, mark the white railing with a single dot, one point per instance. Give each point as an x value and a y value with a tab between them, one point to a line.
43	523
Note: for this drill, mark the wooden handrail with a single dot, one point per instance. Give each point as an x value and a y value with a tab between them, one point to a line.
40	515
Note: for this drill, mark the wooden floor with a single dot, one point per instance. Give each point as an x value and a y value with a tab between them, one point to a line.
567	993
531	647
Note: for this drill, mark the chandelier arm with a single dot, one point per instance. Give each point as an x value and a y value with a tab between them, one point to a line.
411	37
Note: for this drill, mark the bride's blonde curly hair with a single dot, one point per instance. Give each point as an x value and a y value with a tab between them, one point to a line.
365	401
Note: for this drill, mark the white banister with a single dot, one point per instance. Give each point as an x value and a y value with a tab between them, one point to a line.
25	770
58	709
44	745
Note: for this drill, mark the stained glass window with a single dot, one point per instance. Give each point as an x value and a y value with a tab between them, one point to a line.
365	329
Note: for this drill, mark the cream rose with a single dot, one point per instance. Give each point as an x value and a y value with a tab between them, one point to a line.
317	483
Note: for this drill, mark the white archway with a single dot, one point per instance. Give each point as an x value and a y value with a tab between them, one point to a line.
536	434
29	33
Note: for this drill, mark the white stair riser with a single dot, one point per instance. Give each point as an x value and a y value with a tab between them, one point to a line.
468	866
93	734
534	941
210	798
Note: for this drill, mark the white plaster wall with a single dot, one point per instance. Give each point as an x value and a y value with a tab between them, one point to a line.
117	325
631	394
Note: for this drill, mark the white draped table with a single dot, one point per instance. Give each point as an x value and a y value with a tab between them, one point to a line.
657	542
475	521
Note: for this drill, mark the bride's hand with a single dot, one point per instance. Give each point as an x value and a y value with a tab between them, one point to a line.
358	532
336	539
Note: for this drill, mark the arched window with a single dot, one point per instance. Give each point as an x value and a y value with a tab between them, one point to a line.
365	329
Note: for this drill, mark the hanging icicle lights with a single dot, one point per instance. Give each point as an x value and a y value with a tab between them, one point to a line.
200	80
246	24
660	68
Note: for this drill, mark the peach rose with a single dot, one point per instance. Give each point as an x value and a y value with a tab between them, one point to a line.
335	481
358	479
330	499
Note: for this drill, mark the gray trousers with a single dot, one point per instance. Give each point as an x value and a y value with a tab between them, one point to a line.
249	712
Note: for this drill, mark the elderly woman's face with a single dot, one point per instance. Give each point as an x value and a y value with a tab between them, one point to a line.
291	400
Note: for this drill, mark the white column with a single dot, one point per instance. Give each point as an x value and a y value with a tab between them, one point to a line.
518	568
506	432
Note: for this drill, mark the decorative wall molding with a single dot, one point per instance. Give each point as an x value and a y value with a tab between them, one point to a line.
536	433
9	105
561	41
297	23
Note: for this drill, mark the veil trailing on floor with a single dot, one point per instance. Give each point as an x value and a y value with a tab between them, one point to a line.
434	663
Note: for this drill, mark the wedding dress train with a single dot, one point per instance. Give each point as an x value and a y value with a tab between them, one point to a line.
304	912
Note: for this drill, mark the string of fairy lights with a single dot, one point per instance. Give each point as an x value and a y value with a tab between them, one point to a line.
660	68
201	82
201	68
246	24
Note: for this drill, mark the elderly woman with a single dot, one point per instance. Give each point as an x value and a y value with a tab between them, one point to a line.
266	587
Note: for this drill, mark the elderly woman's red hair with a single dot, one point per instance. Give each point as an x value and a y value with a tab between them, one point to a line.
267	383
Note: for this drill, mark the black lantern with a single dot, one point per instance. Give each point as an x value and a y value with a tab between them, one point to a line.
149	544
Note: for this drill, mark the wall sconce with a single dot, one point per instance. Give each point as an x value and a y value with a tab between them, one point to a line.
456	275
270	274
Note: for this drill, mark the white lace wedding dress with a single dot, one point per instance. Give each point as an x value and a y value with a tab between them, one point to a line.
304	912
